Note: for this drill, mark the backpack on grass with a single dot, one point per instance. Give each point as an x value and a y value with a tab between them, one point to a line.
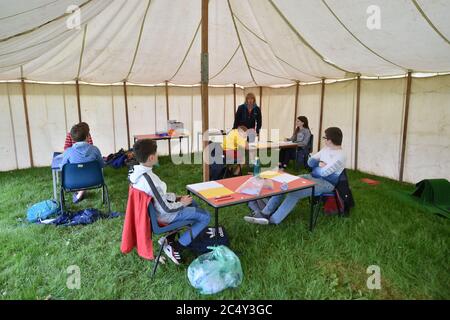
42	210
207	238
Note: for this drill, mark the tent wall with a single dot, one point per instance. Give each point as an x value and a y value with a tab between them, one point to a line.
339	111
309	106
428	140
53	109
380	126
278	111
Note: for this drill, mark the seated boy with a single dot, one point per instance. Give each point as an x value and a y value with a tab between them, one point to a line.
69	141
169	207
80	152
234	145
327	165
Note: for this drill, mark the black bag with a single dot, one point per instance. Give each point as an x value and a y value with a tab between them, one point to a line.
207	238
345	193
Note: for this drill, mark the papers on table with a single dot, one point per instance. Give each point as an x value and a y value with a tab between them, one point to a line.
211	189
269	174
285	178
204	185
216	192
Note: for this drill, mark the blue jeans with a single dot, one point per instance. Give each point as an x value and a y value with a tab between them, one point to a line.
201	220
278	209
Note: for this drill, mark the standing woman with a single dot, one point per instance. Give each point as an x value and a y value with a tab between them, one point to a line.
301	136
249	115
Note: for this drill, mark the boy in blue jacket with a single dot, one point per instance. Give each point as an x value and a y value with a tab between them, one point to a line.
81	152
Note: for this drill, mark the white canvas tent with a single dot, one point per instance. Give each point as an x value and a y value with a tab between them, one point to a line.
263	46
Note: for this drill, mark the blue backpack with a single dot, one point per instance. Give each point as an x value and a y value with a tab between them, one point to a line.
42	210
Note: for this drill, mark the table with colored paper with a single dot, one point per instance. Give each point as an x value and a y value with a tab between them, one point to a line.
222	193
157	137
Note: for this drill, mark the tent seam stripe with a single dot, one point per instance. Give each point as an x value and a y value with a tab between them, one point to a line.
34	45
267	43
359	41
304	41
42	25
248	28
416	4
26	11
240	42
295	68
272	75
226	65
187	52
139	40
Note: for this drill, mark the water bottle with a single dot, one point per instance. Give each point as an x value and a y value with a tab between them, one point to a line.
257	167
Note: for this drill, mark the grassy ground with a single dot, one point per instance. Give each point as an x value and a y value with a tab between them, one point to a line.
279	262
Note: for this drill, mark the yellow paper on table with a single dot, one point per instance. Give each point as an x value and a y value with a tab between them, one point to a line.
269	174
216	192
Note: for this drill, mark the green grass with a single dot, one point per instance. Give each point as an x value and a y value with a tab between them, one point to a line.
279	262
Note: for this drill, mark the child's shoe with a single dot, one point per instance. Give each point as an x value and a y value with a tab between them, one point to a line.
77	196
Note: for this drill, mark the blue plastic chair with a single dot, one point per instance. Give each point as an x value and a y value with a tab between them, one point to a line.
167	230
83	176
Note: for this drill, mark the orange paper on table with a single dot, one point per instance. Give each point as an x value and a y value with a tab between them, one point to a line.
216	192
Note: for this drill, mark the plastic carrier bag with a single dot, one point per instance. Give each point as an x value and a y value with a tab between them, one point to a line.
252	186
42	210
215	271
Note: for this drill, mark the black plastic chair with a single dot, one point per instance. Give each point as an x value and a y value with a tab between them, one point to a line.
301	154
168	230
319	202
83	176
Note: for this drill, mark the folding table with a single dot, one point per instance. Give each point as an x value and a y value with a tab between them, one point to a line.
169	138
239	198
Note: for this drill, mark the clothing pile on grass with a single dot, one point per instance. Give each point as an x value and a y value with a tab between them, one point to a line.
120	159
49	212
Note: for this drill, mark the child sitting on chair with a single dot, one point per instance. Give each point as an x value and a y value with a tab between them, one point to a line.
327	165
69	141
81	152
233	146
169	207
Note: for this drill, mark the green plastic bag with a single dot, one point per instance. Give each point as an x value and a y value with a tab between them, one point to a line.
215	271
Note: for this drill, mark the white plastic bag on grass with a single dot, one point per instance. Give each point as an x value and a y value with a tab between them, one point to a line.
215	271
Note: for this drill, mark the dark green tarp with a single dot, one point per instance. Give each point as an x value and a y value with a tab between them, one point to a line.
434	193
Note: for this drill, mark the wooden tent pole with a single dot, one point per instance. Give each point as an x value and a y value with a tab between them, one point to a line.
234	97
126	112
204	85
27	121
167	113
405	125
167	99
260	97
322	96
297	87
358	102
77	86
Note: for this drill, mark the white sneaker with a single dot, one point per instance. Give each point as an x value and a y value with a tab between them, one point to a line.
172	253
257	218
